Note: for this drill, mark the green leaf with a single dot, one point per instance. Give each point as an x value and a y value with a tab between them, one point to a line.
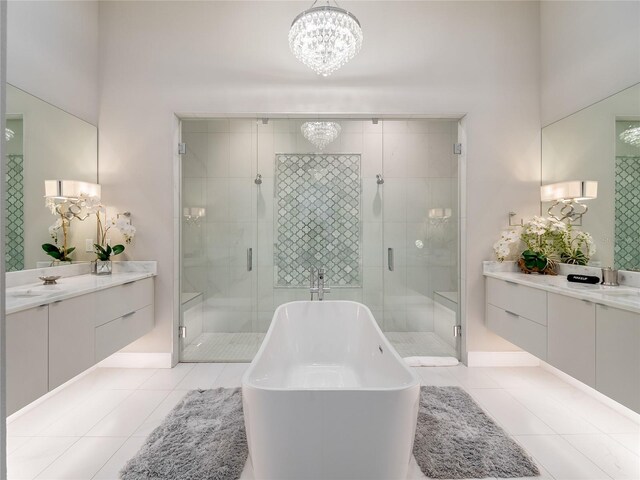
109	250
118	249
57	255
541	263
70	249
49	247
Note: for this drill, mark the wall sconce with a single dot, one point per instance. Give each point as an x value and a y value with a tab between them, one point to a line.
567	198
439	216
71	189
72	198
194	215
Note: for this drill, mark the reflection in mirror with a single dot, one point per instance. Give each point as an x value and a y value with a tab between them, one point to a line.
600	144
43	143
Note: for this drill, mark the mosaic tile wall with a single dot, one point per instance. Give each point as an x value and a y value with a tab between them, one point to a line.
14	256
627	207
317	219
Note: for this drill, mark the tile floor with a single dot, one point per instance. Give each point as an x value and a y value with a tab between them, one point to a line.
92	427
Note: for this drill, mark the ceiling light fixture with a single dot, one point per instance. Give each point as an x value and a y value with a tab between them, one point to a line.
320	134
325	38
631	136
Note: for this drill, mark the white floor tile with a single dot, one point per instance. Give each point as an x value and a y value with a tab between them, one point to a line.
13	443
629	440
504	377
561	418
202	375
231	376
83	460
111	469
81	419
560	459
511	415
118	378
156	417
33	457
129	415
600	415
167	378
609	455
472	377
437	376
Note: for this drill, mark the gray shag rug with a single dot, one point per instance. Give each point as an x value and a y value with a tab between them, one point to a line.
456	439
203	438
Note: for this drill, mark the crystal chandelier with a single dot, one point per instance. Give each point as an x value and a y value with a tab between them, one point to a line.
320	134
325	38
631	136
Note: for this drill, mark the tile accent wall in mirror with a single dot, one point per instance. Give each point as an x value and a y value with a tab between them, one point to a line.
43	143
590	145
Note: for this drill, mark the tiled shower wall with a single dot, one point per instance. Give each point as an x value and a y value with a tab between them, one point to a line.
417	162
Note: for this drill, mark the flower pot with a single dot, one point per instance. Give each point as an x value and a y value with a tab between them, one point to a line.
550	269
101	267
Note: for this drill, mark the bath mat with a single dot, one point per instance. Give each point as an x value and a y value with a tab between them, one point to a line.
203	438
456	439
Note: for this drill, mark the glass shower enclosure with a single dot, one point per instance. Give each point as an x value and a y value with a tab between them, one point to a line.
377	208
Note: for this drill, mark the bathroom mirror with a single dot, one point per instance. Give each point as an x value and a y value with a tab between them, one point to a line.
602	143
43	143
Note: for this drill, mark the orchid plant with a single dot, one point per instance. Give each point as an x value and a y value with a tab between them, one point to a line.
542	242
103	250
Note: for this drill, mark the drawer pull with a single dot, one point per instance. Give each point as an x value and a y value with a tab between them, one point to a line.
128	283
128	314
512	283
511	313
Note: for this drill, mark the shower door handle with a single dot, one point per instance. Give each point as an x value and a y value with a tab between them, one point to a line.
390	259
249	259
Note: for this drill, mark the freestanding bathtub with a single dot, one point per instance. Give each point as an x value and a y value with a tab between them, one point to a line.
327	397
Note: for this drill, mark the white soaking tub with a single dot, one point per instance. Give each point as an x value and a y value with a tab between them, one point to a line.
327	397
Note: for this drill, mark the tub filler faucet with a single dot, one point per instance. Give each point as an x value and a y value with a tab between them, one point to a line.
317	278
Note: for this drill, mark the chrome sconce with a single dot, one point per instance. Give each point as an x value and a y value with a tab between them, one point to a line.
568	198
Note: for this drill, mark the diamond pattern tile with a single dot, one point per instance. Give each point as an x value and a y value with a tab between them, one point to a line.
317	219
627	207
14	235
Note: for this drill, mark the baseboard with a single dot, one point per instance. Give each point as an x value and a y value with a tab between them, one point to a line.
137	360
592	392
501	359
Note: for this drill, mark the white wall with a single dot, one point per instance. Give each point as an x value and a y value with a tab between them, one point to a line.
479	58
52	53
590	50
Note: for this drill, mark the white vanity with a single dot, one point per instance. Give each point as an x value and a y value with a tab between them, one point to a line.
56	332
590	332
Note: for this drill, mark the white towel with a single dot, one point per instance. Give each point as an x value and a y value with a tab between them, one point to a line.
431	361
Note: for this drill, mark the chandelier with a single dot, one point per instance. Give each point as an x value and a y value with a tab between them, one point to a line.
320	134
631	136
8	134
325	38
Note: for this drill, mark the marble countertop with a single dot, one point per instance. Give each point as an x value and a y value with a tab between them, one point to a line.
30	295
623	297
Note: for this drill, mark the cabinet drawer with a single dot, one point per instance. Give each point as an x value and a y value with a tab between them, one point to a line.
121	300
119	333
524	301
27	335
528	335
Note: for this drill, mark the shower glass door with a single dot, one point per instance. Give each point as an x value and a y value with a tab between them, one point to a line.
376	208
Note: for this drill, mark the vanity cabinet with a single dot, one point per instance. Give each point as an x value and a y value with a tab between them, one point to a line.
594	343
51	344
27	334
571	334
618	355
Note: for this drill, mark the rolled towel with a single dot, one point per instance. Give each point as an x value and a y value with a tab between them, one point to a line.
431	361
